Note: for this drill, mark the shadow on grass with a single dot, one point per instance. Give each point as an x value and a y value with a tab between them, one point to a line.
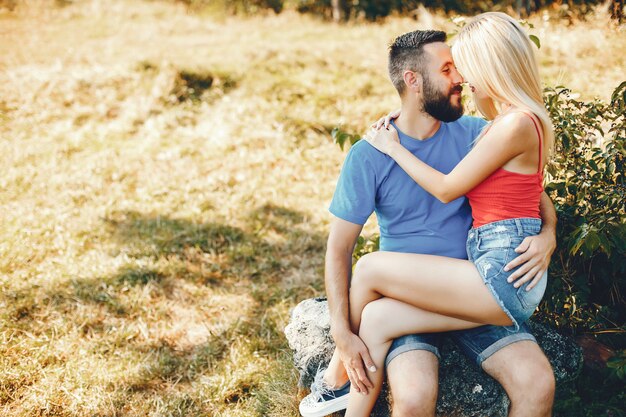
157	235
250	259
269	243
253	258
212	254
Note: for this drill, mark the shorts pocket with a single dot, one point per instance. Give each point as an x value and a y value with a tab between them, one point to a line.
491	264
531	299
494	241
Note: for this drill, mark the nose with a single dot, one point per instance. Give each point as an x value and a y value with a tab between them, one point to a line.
458	78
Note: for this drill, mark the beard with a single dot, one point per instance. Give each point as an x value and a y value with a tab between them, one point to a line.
439	104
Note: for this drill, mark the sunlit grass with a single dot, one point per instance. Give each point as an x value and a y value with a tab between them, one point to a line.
164	184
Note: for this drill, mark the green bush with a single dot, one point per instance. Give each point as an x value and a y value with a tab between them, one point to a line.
235	6
586	183
373	9
370	9
319	7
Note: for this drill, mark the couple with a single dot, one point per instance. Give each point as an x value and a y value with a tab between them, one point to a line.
392	310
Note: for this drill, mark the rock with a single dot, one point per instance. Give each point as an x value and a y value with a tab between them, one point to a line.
464	389
308	333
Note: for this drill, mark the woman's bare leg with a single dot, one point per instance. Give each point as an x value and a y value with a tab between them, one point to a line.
382	321
447	286
335	374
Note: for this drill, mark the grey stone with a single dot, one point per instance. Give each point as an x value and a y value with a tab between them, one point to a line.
464	389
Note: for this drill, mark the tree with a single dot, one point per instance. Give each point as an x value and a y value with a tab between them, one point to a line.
617	10
337	10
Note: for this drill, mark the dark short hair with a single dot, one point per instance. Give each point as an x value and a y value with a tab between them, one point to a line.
407	53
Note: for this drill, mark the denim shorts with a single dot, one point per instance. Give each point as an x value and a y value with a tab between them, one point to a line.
490	248
478	343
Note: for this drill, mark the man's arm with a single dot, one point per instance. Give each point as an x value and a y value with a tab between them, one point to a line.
536	250
351	349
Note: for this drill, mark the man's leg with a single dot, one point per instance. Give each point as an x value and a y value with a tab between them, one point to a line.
516	361
527	377
412	372
411	363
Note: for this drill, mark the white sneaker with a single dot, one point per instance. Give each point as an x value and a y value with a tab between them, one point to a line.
324	400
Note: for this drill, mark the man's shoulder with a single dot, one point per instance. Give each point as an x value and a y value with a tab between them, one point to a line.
469	122
466	128
364	152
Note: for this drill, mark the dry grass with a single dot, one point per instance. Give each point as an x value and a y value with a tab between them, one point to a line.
164	183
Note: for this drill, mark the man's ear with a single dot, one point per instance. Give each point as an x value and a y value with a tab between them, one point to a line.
413	81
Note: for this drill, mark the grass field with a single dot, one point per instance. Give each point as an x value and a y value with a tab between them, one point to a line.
164	184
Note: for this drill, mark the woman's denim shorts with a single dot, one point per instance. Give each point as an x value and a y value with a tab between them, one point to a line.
490	248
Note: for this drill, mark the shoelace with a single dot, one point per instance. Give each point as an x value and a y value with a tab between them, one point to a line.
319	387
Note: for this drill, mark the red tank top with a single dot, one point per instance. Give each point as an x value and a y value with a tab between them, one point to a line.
508	195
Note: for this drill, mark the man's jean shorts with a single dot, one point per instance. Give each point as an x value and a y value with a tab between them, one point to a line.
478	343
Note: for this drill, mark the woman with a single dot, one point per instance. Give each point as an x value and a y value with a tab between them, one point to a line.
502	178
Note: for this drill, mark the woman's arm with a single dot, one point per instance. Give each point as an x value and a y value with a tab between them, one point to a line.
512	135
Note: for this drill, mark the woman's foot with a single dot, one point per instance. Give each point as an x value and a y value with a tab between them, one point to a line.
324	399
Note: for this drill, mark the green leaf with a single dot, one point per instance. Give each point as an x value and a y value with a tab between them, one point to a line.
611	168
618	92
535	41
605	244
592	242
579	239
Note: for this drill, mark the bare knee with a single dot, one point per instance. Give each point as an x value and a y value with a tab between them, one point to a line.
374	318
531	385
364	270
526	375
419	401
534	382
413	379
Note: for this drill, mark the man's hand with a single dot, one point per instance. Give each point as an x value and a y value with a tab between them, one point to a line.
354	355
534	259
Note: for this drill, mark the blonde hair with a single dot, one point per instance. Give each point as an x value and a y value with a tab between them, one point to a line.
496	54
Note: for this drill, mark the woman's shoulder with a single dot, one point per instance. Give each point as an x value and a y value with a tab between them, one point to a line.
516	125
518	119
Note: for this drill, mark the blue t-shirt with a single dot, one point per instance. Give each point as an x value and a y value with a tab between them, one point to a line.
410	219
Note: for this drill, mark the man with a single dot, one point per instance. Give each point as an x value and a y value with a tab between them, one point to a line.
411	220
